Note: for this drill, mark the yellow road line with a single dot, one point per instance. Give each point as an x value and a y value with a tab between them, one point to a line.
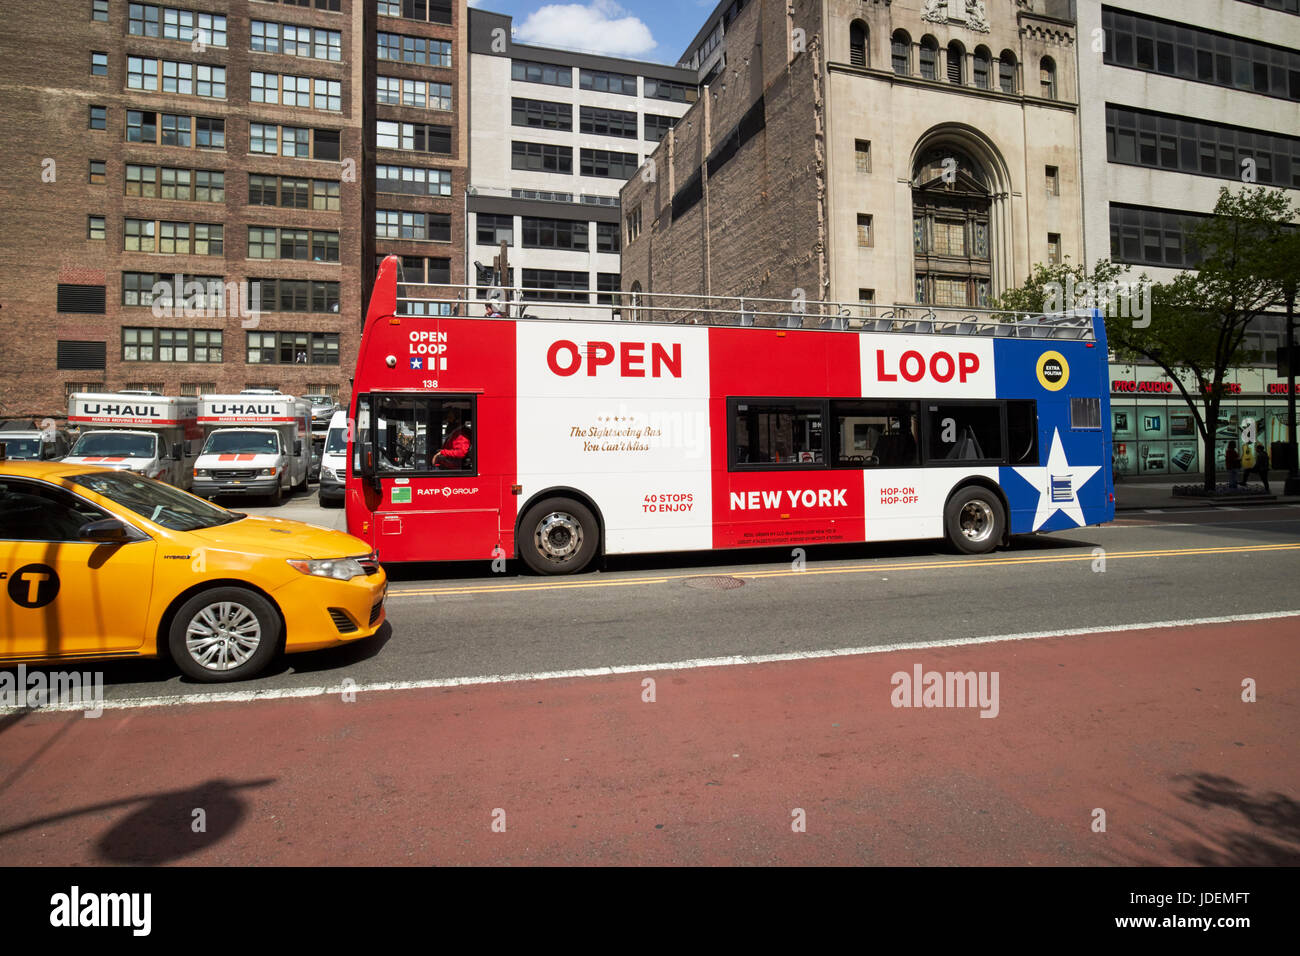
564	585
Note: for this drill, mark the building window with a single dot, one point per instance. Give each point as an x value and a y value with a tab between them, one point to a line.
608	163
656	127
1047	78
541	157
667	90
98	172
983	61
858	34
1054	248
607	288
956	63
1158	141
95	228
929	58
99	117
607	237
867	302
493	230
864	230
862	155
99	10
412	181
556	285
553	233
1154	237
603	82
633	221
1053	176
1007	72
1161	46
171	345
604	122
292	348
419	137
528	72
99	64
296	295
900	53
317	44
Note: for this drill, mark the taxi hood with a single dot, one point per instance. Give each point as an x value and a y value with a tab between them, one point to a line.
297	539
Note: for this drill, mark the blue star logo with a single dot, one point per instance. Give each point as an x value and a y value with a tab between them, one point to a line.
417	364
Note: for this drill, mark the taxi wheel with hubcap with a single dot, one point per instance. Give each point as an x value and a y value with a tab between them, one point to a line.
224	634
974	520
558	536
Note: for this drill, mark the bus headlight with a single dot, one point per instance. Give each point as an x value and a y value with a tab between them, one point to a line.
341	569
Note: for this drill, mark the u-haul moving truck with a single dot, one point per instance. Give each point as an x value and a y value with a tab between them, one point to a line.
152	435
256	444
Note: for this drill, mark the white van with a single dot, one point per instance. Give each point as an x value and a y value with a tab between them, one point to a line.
334	459
257	444
151	435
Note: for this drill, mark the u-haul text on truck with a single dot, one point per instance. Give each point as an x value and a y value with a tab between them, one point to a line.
255	444
558	440
152	435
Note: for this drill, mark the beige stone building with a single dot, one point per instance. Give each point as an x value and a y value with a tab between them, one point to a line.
866	151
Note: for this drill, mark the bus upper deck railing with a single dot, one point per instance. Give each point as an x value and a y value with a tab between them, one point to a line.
746	311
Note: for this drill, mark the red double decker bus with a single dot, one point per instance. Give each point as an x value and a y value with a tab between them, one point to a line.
556	440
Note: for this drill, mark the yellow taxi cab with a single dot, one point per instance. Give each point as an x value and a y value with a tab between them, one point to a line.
101	564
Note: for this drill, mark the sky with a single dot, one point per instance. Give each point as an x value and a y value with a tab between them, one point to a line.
656	30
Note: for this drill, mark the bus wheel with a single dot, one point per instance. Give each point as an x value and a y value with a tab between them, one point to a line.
975	520
558	536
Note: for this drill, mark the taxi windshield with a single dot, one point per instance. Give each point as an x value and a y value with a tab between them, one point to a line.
162	504
242	443
116	445
21	448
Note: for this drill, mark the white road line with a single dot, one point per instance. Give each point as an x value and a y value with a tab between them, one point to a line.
609	670
1154	511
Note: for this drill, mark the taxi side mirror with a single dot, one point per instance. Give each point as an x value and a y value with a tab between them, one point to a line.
106	531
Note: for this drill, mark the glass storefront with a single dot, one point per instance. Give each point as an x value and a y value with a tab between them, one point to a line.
1158	436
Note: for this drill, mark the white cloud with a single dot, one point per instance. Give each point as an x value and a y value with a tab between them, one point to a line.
598	27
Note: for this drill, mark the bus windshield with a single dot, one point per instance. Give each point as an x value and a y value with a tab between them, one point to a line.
236	442
116	445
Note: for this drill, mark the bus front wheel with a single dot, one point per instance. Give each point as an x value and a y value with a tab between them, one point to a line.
975	520
558	536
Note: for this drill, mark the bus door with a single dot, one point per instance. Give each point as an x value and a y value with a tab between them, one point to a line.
422	478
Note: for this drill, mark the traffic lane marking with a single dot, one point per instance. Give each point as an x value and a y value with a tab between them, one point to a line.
1004	561
1142	724
732	660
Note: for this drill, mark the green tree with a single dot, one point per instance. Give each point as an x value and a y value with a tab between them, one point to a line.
1199	319
1063	285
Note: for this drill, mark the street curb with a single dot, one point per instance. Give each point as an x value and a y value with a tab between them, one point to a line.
1181	505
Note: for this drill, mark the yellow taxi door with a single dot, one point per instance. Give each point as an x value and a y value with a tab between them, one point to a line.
60	595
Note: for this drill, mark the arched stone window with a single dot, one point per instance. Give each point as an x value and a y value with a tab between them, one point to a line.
858	34
900	53
1007	72
1047	77
929	58
956	63
952	244
983	65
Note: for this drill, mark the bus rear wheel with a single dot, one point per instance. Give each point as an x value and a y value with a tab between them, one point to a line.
558	536
975	520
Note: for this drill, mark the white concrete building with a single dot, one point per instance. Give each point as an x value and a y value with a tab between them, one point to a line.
554	134
1176	102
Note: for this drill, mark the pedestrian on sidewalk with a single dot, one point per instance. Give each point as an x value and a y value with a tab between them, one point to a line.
1261	465
1232	460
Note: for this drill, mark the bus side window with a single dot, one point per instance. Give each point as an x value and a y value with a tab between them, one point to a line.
1022	432
876	433
965	431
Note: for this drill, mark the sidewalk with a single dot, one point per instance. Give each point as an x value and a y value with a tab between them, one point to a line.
1138	494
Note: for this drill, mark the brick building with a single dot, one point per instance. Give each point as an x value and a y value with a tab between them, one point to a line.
914	151
230	142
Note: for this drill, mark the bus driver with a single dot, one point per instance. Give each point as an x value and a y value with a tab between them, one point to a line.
456	444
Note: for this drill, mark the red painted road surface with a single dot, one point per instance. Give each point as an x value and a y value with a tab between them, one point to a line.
1148	726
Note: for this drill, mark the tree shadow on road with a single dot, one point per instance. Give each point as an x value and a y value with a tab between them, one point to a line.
163	827
1269	834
